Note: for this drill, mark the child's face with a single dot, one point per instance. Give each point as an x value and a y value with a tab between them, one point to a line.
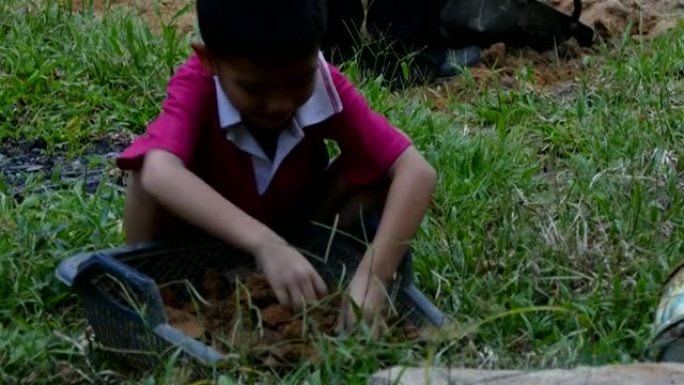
267	94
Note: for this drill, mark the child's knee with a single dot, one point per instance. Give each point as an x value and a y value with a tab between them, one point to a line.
360	212
143	216
146	220
137	214
362	202
138	201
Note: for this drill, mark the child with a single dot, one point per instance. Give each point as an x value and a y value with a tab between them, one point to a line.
238	151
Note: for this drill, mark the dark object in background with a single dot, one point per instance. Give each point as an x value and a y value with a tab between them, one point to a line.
517	23
411	42
345	18
404	42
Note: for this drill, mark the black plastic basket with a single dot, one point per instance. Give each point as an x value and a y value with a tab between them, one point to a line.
120	297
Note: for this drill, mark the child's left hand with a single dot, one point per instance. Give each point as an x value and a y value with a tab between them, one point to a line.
366	297
412	185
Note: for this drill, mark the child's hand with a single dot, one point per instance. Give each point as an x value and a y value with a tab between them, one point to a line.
290	275
368	295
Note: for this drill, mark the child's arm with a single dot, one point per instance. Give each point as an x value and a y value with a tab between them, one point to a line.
291	276
412	185
371	148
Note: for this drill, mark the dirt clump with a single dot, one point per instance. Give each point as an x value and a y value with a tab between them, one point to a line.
503	67
276	315
245	317
611	18
185	321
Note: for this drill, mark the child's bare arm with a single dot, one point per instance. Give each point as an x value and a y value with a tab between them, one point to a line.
165	177
412	185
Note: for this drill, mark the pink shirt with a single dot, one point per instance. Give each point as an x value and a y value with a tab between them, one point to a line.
198	125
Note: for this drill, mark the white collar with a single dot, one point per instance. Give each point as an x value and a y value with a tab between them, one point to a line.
323	103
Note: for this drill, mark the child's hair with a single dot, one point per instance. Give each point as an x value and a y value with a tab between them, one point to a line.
262	29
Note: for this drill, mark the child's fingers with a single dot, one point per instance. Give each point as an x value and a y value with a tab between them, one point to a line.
308	290
296	296
320	286
281	295
343	320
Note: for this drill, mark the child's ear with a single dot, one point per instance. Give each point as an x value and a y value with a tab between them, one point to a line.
205	57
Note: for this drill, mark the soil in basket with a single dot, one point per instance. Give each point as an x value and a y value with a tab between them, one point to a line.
245	318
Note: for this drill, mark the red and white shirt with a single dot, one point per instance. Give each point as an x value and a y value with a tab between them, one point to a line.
200	126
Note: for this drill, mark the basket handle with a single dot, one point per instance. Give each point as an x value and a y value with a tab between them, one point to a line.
82	265
78	267
425	307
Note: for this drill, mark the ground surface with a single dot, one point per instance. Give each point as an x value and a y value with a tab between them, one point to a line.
555	70
248	316
558	214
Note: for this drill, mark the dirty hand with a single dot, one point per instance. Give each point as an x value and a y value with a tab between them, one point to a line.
365	298
292	278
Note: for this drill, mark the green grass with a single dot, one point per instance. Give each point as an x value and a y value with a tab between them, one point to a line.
555	224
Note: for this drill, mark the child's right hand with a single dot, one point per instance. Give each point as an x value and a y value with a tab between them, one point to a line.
290	275
292	278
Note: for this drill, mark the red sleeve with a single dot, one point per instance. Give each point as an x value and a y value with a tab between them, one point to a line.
369	143
185	113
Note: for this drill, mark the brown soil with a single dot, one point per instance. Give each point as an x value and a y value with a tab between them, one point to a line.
547	68
610	18
246	318
556	71
146	8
